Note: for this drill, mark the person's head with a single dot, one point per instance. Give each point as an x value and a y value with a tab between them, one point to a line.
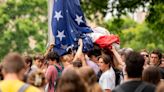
145	54
77	64
160	87
28	61
155	57
13	63
37	79
124	52
88	75
162	61
94	53
71	81
105	62
90	78
52	58
134	65
151	75
38	60
162	57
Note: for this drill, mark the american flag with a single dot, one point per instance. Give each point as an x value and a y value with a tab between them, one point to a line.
68	25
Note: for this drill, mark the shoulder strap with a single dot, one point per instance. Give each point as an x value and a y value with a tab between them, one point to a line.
23	88
140	87
58	69
118	75
0	90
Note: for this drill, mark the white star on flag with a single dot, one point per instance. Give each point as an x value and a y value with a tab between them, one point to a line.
75	39
58	15
67	11
79	19
64	46
72	31
61	35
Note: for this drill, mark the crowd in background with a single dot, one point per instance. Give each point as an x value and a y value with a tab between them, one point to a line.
99	70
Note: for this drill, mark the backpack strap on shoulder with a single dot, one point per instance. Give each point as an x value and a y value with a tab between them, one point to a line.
23	88
140	87
57	68
0	90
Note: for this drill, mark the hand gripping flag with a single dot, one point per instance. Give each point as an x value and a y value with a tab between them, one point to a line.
68	25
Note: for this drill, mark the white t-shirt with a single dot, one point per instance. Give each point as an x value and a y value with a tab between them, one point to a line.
107	79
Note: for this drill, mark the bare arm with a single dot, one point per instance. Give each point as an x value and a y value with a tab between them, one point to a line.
118	58
49	49
79	54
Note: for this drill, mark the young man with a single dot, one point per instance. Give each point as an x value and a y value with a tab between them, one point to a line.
53	72
93	58
38	60
13	71
155	60
134	67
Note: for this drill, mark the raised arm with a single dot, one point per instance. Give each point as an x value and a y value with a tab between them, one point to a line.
118	60
49	49
79	54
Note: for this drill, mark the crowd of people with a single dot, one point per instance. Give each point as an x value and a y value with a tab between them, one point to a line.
99	70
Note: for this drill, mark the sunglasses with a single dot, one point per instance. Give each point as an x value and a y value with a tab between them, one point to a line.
145	55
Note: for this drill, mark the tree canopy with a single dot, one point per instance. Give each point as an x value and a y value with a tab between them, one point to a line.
23	23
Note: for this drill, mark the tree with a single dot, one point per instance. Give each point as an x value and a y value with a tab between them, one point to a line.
22	23
91	7
150	33
136	36
141	37
155	17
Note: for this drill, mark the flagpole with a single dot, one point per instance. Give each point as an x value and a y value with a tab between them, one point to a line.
51	39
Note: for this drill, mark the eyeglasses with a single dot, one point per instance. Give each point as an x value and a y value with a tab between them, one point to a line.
145	55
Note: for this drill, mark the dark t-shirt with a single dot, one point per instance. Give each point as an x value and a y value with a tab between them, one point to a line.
131	86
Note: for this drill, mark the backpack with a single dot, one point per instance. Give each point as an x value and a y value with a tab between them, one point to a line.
118	75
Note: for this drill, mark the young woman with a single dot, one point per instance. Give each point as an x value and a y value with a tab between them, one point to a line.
107	79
